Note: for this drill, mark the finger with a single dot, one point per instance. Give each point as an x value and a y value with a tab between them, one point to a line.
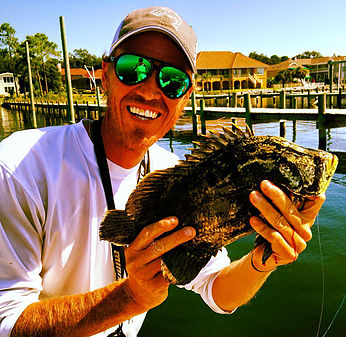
167	243
151	232
270	234
291	214
279	223
282	202
144	272
281	248
312	206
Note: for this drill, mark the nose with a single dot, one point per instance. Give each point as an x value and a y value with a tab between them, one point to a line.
149	89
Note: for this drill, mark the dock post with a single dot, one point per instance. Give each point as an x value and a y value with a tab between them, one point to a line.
338	100
247	103
229	100
70	109
202	116
31	90
283	129
194	116
322	139
234	100
309	103
283	99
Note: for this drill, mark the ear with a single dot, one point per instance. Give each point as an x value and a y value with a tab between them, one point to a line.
105	77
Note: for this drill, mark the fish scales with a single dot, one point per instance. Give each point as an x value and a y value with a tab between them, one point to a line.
210	192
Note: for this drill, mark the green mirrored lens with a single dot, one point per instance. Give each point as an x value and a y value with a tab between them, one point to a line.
174	82
132	69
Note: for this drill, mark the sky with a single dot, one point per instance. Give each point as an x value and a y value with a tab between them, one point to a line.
269	27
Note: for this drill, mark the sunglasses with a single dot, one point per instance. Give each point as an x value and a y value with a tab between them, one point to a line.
134	69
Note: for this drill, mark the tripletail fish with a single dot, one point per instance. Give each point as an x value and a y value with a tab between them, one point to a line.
210	192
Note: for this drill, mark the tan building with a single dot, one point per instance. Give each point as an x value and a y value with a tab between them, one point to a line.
288	64
318	68
224	70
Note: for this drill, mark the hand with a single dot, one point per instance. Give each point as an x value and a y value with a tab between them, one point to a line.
146	284
291	227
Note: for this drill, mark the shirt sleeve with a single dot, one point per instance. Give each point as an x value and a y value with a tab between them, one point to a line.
203	283
20	253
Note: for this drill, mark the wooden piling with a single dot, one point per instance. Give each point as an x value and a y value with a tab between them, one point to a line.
234	100
247	103
31	90
70	108
283	99
194	117
202	117
283	129
322	139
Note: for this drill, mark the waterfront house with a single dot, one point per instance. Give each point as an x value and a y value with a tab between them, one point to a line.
7	84
224	70
318	68
81	79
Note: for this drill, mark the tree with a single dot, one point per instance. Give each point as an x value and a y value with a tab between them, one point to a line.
81	58
274	59
10	42
308	55
41	51
284	76
300	73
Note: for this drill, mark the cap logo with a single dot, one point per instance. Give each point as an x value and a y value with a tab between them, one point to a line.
169	16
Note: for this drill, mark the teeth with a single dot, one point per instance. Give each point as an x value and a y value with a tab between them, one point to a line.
143	113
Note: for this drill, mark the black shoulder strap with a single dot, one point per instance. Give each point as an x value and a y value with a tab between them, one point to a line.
144	168
101	158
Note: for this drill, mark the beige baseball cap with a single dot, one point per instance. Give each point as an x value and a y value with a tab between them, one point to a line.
162	19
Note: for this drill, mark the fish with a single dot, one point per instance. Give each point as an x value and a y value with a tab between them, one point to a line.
210	192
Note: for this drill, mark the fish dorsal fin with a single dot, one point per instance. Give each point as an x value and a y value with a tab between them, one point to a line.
236	131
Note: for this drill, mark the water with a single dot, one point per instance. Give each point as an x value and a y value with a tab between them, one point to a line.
289	303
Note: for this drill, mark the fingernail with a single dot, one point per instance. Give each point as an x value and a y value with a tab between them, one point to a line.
254	196
266	183
189	232
172	220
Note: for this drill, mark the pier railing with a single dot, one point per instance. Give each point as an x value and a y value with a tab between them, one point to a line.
324	118
248	106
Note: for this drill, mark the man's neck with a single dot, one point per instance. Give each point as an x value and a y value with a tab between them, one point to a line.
117	150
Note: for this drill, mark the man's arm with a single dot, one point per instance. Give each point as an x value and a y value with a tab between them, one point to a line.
93	312
239	282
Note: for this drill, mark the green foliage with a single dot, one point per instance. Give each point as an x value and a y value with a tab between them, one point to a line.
308	55
288	75
274	59
81	58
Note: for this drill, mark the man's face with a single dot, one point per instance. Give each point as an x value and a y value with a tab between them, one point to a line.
125	101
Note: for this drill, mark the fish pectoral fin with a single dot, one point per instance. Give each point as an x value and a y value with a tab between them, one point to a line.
117	227
181	265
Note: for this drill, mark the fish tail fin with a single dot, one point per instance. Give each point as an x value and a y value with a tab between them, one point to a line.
117	227
261	241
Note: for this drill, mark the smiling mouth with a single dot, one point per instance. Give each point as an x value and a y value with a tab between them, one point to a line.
143	114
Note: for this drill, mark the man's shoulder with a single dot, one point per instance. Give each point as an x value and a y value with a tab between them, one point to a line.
33	144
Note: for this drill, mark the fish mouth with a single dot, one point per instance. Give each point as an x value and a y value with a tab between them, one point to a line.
143	114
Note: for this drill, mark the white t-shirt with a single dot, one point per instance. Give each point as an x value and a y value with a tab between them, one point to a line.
51	204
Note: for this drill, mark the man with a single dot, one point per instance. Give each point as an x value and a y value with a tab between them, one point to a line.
57	278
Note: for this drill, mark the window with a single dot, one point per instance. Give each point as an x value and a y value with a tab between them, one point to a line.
260	71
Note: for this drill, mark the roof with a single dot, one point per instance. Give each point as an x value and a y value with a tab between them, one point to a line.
6	74
289	64
226	60
294	63
82	72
